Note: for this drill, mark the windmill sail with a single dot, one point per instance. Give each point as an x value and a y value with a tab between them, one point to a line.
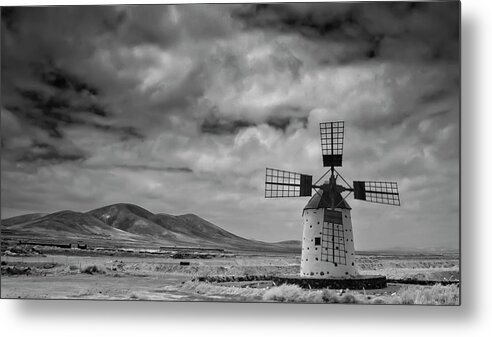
332	143
284	184
381	192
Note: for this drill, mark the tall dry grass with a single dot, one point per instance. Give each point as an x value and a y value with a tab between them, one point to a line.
211	289
435	295
292	293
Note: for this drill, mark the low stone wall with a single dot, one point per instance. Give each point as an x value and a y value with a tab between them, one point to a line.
232	278
362	282
423	282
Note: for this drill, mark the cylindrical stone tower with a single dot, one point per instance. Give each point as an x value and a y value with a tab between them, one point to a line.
327	240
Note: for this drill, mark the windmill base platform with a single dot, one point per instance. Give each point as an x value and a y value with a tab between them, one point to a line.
359	282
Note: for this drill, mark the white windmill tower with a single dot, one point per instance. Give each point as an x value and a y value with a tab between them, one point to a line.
328	241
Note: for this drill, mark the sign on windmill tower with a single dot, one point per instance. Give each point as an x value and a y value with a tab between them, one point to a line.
328	241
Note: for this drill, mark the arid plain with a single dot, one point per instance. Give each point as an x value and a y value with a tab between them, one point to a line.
97	260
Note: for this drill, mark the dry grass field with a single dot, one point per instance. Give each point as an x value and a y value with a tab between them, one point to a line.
74	274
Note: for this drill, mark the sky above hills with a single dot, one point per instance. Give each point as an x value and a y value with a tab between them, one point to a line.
179	109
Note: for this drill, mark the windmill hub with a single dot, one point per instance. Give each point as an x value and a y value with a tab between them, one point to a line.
328	241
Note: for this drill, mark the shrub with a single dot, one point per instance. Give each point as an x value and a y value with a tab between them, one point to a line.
92	269
439	295
284	293
407	296
330	296
377	300
347	298
211	289
435	295
293	293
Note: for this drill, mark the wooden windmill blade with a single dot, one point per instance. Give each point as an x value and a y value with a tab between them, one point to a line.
380	192
284	184
332	142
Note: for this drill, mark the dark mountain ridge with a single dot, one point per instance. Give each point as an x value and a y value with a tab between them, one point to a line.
132	223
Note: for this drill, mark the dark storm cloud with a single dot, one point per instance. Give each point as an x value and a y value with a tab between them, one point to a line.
39	33
156	24
8	17
125	132
143	168
389	30
49	110
46	153
64	81
36	83
282	122
279	117
218	126
70	103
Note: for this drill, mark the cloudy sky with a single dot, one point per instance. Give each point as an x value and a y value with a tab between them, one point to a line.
179	109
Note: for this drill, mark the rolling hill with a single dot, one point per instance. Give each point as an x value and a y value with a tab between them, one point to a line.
121	224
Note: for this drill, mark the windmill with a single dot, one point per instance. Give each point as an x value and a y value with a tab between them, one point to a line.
328	241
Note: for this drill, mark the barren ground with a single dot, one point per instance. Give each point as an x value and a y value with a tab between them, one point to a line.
64	275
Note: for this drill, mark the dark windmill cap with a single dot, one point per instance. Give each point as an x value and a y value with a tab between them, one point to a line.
321	199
